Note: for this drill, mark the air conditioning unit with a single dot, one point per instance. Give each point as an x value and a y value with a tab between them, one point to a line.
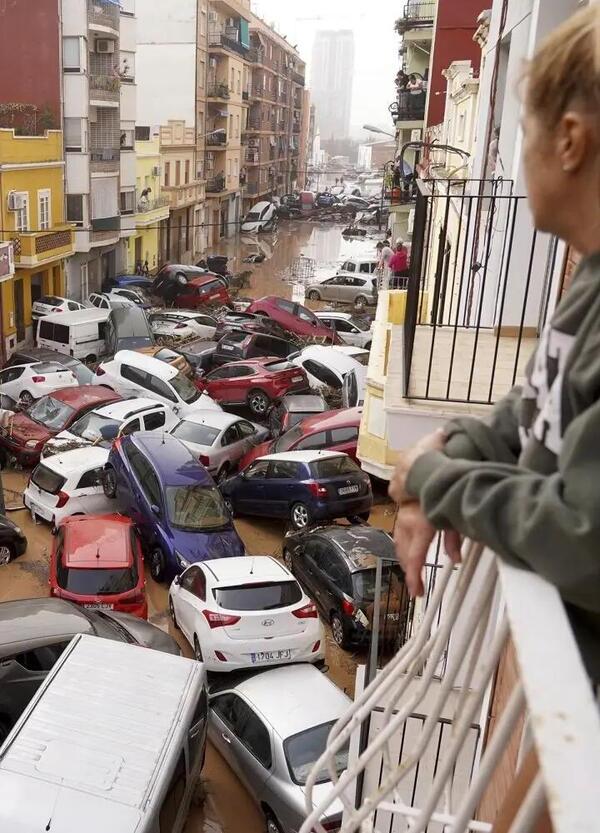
105	46
16	201
156	170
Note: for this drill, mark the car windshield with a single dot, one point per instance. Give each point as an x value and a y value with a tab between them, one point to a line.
50	300
267	595
363	582
51	413
252	217
47	480
196	508
191	432
96	582
334	466
287	440
303	750
361	323
362	358
277	367
184	388
90	427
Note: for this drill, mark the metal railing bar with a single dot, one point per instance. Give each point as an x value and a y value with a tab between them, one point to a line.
440	818
531	808
523	312
460	286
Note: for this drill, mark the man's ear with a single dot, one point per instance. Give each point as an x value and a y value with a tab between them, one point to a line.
573	140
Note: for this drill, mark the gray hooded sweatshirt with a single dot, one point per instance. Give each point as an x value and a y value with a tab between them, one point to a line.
526	482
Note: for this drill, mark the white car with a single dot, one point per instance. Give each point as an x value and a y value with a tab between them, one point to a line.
136	296
133	374
357	353
106	300
325	366
261	217
218	440
102	425
245	612
53	303
181	325
27	382
352	329
68	484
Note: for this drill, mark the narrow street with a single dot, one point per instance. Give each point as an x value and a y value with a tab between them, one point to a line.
226	800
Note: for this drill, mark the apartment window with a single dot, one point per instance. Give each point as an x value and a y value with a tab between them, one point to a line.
22	214
187	171
229	169
84	281
461	127
236	167
44	219
231	125
203	21
202	74
127	66
71	54
201	126
142	133
178	172
237	127
232	84
127	202
239	82
75	209
127	140
167	174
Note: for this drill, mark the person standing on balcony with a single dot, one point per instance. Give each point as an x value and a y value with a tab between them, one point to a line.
399	266
525	482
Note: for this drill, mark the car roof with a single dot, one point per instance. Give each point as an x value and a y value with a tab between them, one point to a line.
200	280
97	541
294	698
213	419
260	361
299	402
182	267
362	545
309	456
26	621
246	570
332	419
38	354
260	206
174	462
322	313
335	359
155	366
84	395
79	459
129	407
88	315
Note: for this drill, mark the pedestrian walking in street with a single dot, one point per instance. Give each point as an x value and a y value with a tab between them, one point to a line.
525	482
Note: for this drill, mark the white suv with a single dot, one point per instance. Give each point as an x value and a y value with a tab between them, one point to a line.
133	374
351	329
102	425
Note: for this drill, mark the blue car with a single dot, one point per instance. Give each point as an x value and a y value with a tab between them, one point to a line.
304	486
127	282
173	501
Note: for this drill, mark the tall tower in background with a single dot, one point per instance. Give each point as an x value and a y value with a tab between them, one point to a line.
331	82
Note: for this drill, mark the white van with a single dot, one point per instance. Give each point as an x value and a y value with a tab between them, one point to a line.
82	334
113	742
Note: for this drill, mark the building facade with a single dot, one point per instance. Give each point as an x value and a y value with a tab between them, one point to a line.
147	247
32	219
332	74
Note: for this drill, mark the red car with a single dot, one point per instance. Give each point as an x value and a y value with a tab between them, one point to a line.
255	383
188	287
331	431
97	563
29	430
294	317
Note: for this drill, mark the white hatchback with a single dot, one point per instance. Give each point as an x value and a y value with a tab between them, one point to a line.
181	325
325	366
352	329
27	382
245	612
68	484
48	304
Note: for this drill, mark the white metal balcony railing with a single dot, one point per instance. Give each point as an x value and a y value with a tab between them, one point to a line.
473	609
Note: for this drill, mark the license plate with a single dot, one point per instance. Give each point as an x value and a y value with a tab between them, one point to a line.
265	656
98	606
227	347
348	490
297	378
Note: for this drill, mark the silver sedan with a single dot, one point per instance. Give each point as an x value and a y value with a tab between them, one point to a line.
218	440
271	728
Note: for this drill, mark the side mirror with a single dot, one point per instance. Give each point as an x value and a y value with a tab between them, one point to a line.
155	510
177	580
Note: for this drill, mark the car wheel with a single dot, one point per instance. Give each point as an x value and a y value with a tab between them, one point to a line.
338	631
6	554
172	613
258	402
300	516
197	650
109	482
360	302
25	399
271	824
313	295
157	564
287	560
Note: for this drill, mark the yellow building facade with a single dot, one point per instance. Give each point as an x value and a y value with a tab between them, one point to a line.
152	209
32	217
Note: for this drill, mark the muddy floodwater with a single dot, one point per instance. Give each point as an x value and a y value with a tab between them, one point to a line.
224	805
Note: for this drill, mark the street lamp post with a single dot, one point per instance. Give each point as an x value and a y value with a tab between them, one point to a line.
372	129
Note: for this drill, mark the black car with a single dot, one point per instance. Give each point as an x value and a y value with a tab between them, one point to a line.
35	632
32	355
200	354
13	542
336	566
128	329
293	409
240	344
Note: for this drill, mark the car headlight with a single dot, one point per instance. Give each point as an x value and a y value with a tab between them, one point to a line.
182	562
31	444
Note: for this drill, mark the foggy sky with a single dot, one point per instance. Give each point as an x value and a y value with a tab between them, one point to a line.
376	46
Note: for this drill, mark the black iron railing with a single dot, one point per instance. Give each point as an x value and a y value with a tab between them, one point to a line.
479	287
409	106
218	91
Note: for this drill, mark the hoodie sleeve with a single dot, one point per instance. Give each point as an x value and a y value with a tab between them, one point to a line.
550	524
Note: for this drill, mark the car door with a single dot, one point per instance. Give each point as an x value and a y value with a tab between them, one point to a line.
305	569
348	332
145	492
88	495
330	577
249	496
228	450
345	439
247	438
191	594
243	739
157	420
11	383
281	486
237	383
